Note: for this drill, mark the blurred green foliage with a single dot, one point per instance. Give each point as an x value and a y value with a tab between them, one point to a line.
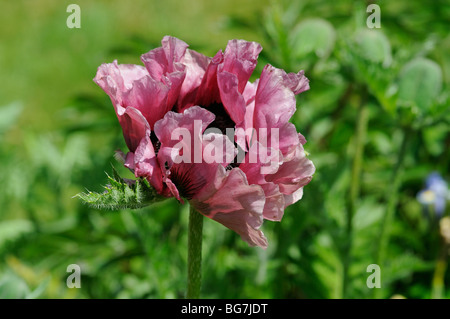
58	134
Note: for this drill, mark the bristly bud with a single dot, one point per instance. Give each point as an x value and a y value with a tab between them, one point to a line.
122	193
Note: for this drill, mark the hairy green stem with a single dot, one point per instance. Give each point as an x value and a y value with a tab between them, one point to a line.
194	271
360	136
392	200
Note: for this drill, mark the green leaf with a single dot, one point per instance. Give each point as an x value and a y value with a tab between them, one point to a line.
434	138
367	215
420	82
369	55
374	46
13	287
9	115
122	194
11	230
313	35
405	265
39	289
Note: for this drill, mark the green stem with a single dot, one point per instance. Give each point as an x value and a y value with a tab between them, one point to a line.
438	282
392	200
360	136
437	290
195	230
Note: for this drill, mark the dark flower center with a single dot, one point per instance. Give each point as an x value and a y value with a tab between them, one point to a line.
222	120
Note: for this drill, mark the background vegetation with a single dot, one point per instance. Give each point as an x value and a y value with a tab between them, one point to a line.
376	120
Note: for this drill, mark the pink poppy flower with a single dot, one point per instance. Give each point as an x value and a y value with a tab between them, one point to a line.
168	108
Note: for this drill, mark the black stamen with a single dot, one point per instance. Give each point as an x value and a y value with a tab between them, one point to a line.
155	142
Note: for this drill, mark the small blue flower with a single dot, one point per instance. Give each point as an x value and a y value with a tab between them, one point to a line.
435	193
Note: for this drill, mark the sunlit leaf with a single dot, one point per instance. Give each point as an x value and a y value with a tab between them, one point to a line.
420	82
39	289
9	115
13	287
313	35
11	230
374	46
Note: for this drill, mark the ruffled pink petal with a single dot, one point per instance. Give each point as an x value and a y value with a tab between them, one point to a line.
178	68
297	82
115	79
249	95
149	97
196	65
165	59
131	85
134	126
173	188
174	81
172	122
275	202
231	201
232	100
208	91
129	161
288	140
185	176
217	148
156	63
240	59
294	173
275	97
274	106
293	198
259	162
274	102
302	139
238	222
146	164
191	178
142	159
164	65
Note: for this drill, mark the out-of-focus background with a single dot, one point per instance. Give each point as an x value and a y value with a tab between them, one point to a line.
376	120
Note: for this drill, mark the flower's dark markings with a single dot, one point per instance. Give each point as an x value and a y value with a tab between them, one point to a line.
185	182
156	143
